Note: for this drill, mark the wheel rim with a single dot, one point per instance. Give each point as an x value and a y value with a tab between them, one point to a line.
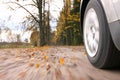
91	32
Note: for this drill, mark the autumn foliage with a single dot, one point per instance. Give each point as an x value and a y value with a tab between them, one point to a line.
34	39
68	28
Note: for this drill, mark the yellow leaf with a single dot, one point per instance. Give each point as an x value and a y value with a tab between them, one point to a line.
37	65
46	57
62	61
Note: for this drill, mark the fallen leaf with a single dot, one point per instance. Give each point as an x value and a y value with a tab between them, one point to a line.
46	57
33	55
31	64
48	67
62	61
37	65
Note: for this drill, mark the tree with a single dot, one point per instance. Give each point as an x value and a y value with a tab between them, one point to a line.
39	19
0	30
68	30
26	40
18	38
34	39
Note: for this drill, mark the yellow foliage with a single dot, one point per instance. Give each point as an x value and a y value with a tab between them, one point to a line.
67	27
78	0
34	39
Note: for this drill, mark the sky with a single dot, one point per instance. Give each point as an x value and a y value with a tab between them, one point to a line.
13	18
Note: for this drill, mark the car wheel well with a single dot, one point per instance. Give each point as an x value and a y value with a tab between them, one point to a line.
84	5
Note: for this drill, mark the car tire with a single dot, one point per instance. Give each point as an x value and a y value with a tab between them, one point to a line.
99	46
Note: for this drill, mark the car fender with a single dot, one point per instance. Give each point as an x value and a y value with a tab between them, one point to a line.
109	10
112	18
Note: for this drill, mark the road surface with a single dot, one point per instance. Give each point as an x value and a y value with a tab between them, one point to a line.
51	63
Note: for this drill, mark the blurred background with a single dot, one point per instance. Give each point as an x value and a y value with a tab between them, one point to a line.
31	23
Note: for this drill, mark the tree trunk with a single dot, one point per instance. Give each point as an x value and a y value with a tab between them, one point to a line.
41	27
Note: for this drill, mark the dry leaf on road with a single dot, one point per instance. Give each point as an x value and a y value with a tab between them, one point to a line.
37	65
62	61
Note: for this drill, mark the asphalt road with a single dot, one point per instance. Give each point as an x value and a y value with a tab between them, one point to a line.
51	63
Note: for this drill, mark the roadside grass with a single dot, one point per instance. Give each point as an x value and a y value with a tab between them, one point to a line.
15	45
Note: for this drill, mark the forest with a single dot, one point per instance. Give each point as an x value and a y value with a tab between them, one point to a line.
67	28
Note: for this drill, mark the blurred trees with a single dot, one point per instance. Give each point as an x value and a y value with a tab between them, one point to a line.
68	28
68	25
39	19
18	38
34	39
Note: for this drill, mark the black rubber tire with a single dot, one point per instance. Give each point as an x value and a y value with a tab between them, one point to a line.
107	55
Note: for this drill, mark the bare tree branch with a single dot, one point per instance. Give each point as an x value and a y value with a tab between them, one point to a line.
25	10
30	5
11	7
34	1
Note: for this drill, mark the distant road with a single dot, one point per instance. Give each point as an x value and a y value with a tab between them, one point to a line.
51	63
